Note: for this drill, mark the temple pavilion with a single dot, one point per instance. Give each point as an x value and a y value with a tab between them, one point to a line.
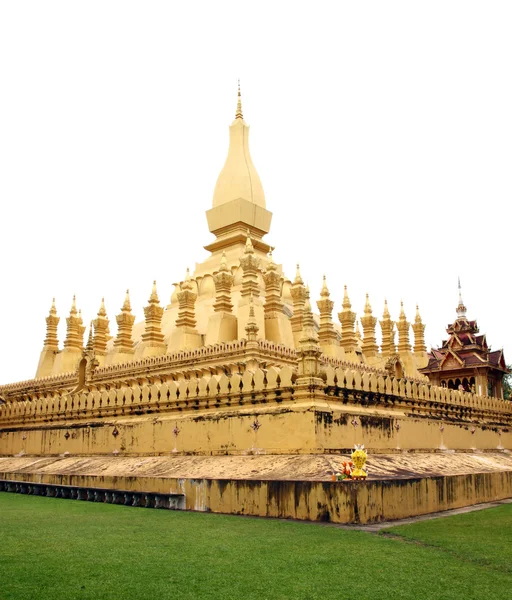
465	361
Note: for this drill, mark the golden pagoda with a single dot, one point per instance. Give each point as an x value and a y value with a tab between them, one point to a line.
211	305
236	380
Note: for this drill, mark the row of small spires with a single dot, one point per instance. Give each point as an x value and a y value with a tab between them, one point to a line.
223	282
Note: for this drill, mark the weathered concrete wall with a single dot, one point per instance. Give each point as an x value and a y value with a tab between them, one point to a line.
288	428
337	502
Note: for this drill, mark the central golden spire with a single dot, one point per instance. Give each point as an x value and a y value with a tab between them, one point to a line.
238	178
238	202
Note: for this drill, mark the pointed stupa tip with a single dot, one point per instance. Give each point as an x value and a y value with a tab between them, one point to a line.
402	313
386	309
249	248
367	306
127	307
346	300
298	277
102	311
73	305
186	284
307	302
53	308
418	316
324	292
154	295
271	265
461	309
223	262
239	114
90	340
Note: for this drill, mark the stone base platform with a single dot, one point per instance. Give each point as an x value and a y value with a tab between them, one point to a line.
299	486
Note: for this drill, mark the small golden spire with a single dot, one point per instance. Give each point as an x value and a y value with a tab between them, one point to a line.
367	306
386	309
102	311
418	316
324	292
251	329
346	300
153	299
186	284
298	278
271	266
402	313
127	307
249	248
73	305
53	309
307	303
223	262
239	114
90	341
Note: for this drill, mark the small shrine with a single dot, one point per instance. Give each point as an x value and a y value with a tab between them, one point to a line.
465	361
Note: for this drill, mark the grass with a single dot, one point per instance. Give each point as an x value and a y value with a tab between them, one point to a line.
64	549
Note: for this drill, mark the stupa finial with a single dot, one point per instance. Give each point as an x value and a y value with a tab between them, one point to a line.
346	300
239	114
324	292
127	307
251	329
90	341
153	299
249	248
102	311
418	316
271	266
73	306
298	277
223	262
386	310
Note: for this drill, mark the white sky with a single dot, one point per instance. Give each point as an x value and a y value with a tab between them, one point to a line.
381	131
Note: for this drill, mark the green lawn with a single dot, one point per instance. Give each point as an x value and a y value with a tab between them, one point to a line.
65	549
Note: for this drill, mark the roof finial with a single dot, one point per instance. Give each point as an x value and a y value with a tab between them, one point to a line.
461	309
239	114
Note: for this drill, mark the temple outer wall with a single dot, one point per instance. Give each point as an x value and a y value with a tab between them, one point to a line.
288	428
261	411
357	502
